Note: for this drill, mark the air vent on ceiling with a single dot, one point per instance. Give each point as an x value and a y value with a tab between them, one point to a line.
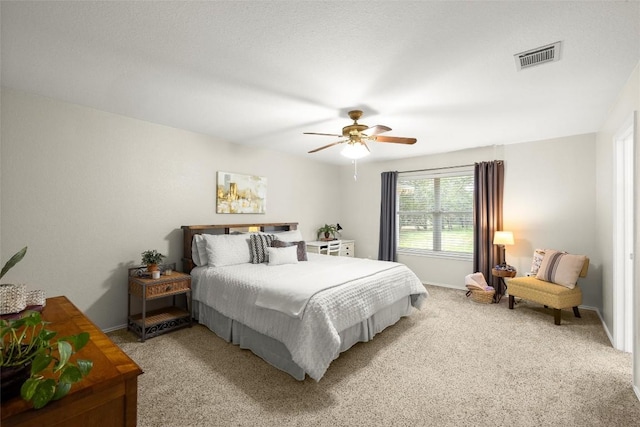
537	56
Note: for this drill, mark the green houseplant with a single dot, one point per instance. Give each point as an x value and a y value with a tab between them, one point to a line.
28	347
31	363
327	230
151	259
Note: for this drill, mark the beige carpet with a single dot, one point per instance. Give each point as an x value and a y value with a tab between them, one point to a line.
455	363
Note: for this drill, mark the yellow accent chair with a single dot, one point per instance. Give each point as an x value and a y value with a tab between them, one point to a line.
543	288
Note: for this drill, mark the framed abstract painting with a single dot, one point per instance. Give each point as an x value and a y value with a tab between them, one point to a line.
238	193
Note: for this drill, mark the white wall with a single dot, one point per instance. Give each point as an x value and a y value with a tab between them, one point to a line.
88	191
549	202
627	102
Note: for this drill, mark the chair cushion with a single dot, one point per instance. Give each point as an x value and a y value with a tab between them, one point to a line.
545	293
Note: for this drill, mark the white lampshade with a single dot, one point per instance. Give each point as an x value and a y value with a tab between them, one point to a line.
355	150
503	238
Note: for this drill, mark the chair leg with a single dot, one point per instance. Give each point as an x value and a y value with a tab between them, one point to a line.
576	312
556	315
511	301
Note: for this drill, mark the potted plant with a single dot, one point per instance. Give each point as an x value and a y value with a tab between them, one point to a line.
34	365
327	230
151	259
16	258
31	364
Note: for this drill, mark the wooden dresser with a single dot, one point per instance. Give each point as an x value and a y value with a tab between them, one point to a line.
106	397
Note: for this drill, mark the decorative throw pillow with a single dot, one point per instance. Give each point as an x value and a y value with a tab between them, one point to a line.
227	249
289	236
258	244
538	256
279	256
561	268
302	247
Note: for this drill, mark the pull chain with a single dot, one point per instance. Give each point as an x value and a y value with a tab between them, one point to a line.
355	170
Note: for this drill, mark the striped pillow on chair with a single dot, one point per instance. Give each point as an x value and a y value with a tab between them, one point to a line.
561	268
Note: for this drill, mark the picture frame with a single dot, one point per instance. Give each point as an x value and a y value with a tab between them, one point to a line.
241	194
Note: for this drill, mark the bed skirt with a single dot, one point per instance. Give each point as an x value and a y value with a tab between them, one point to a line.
275	352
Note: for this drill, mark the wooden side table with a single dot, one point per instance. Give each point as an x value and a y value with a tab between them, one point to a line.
501	273
149	324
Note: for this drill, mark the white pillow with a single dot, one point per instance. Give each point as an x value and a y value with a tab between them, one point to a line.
227	249
538	256
279	256
199	250
289	236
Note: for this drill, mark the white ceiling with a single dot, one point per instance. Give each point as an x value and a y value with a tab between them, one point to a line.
261	73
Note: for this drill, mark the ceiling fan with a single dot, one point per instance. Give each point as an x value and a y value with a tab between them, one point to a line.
357	135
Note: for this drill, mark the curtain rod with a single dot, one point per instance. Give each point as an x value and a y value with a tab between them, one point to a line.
435	169
444	167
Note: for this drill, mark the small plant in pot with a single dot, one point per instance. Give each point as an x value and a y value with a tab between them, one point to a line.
151	259
327	230
33	365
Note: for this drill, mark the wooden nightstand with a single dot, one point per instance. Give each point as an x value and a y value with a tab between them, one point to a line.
157	322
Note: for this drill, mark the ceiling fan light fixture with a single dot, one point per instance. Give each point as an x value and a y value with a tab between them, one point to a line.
355	151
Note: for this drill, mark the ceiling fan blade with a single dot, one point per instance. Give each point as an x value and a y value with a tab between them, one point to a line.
324	134
326	146
376	130
395	139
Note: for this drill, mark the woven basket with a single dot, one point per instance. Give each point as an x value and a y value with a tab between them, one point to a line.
13	298
483	297
36	298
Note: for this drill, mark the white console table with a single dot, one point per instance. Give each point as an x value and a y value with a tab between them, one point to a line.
347	247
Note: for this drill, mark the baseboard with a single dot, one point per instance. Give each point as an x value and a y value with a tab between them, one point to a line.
114	328
604	325
446	285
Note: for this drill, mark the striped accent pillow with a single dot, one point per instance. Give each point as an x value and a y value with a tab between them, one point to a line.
561	268
258	244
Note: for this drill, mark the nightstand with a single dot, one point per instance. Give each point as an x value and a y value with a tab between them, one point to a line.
156	322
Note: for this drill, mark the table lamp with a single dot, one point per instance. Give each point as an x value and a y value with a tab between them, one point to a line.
502	239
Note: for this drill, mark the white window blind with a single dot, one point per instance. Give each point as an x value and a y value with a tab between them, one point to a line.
435	212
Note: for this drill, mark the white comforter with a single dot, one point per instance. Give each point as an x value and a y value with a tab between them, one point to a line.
313	339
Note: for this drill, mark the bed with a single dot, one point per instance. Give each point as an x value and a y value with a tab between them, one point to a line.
298	311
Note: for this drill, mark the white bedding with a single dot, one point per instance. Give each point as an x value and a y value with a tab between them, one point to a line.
312	339
288	289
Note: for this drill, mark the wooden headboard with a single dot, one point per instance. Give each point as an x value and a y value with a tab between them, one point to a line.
191	230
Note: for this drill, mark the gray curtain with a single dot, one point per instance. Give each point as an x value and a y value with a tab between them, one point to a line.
487	199
387	246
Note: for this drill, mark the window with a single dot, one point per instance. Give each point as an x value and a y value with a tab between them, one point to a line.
435	212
